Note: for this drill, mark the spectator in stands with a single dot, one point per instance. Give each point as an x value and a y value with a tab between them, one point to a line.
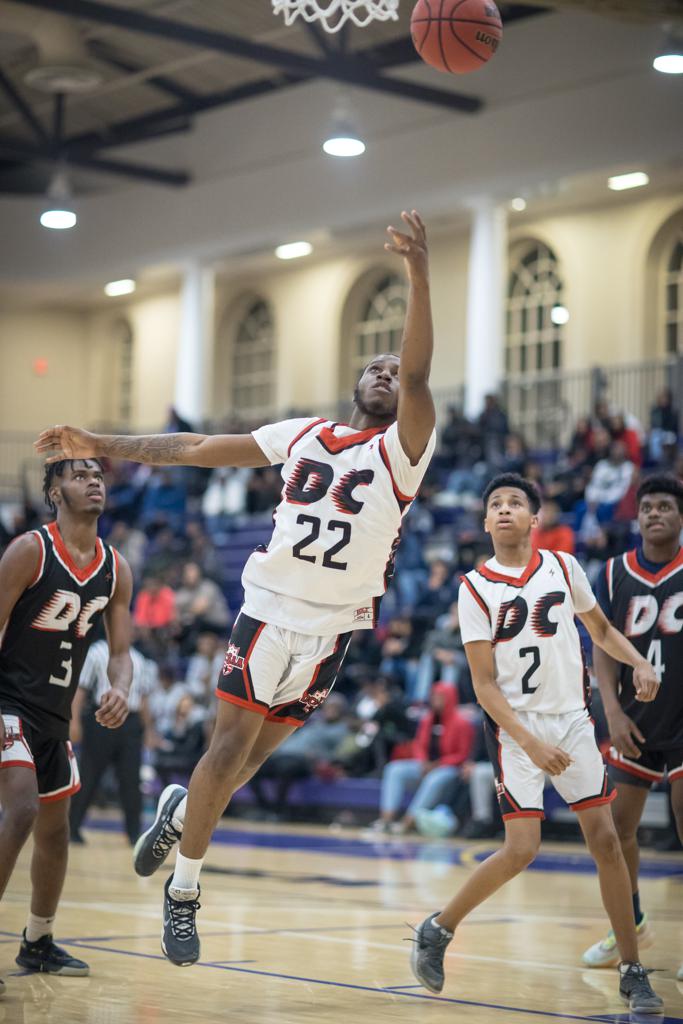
300	754
434	597
400	651
181	745
551	534
494	426
380	723
442	657
154	614
478	778
443	742
582	438
164	500
514	454
225	497
199	605
602	441
201	549
163	701
131	543
663	424
204	666
264	490
626	434
609	482
461	444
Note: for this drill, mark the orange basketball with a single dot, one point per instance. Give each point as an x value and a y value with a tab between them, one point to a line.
456	35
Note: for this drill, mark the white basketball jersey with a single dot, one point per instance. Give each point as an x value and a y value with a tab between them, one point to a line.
337	526
527	614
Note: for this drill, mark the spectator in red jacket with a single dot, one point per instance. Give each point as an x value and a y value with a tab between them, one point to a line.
154	614
551	534
443	741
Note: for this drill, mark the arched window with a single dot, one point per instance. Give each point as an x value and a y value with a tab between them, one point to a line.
673	298
380	326
253	360
534	342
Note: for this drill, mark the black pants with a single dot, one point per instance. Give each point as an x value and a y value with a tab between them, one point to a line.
122	749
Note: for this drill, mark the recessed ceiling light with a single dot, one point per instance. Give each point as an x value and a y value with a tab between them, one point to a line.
669	63
58	220
518	204
620	182
293	250
123	287
344	145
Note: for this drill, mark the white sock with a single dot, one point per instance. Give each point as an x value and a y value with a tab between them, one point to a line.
186	874
36	927
178	819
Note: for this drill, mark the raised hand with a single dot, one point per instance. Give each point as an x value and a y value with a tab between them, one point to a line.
62	442
413	246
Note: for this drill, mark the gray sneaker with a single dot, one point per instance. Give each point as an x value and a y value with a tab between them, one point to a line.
154	845
179	939
426	958
636	991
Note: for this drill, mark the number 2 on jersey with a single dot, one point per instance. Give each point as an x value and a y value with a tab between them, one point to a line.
333	525
535	664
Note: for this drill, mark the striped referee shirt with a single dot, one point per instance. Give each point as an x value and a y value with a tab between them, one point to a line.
95	680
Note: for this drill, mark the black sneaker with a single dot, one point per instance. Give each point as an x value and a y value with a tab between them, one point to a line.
426	958
44	955
154	845
636	991
179	939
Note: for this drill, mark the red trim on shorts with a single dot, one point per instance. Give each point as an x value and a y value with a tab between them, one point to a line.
583	805
480	600
650	775
513	581
260	709
17	764
650	577
675	774
313	423
245	674
52	798
385	459
298	722
523	814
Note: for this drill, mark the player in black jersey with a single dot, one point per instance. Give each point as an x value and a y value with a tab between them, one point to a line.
641	592
55	583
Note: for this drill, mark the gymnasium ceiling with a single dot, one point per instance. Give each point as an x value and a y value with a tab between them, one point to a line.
197	131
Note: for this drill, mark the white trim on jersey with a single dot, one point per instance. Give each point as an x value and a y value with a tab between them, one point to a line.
114	571
100	562
610	578
642	577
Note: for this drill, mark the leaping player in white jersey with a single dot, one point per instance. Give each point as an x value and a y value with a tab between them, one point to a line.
346	490
517	622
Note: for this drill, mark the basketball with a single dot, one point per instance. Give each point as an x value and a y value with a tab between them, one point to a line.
456	35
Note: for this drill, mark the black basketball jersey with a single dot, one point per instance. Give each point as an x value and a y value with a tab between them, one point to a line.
50	630
647	607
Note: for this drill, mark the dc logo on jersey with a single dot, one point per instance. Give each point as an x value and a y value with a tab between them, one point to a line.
312	701
232	660
513	615
311	480
644	612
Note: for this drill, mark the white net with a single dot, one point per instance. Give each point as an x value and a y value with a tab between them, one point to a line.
334	14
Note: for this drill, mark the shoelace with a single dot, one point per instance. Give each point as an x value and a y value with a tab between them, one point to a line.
167	838
182	914
440	941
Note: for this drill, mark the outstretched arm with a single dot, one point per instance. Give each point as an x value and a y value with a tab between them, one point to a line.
208	450
416	416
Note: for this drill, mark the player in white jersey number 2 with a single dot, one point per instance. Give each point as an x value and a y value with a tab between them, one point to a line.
346	490
517	622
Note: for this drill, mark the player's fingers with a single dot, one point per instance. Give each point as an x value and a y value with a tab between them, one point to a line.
635	731
420	223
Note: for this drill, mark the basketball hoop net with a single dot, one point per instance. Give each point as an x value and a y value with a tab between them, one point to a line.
333	14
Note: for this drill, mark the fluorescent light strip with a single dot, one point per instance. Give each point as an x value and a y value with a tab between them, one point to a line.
293	250
123	287
620	182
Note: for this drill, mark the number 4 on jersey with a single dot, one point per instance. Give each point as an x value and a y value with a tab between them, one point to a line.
654	656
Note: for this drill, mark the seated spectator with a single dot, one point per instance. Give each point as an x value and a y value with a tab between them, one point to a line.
628	436
154	615
582	438
551	534
181	746
204	667
442	657
663	425
381	722
300	754
434	597
163	701
130	542
264	490
609	482
225	496
443	742
399	651
200	605
164	500
514	454
494	427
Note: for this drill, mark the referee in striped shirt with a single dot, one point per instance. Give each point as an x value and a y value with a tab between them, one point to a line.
121	748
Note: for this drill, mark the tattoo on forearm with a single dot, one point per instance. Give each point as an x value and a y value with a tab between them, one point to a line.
158	449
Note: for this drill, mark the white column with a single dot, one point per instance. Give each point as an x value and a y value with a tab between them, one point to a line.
485	304
194	365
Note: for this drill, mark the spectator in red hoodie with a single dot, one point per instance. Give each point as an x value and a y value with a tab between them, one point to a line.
443	741
551	534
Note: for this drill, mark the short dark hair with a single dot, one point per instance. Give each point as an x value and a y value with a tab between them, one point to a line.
56	469
513	480
661	483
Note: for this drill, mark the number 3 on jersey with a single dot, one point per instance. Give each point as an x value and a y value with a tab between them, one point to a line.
654	656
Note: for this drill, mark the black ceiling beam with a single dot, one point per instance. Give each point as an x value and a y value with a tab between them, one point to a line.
22	106
18	149
163	83
351	71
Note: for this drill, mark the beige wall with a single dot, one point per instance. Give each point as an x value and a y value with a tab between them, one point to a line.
608	263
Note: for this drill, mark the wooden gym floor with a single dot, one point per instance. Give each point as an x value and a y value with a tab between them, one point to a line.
307	925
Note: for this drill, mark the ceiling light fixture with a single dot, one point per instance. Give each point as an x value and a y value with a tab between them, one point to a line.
293	250
59	213
635	179
126	286
518	204
669	59
343	139
559	315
